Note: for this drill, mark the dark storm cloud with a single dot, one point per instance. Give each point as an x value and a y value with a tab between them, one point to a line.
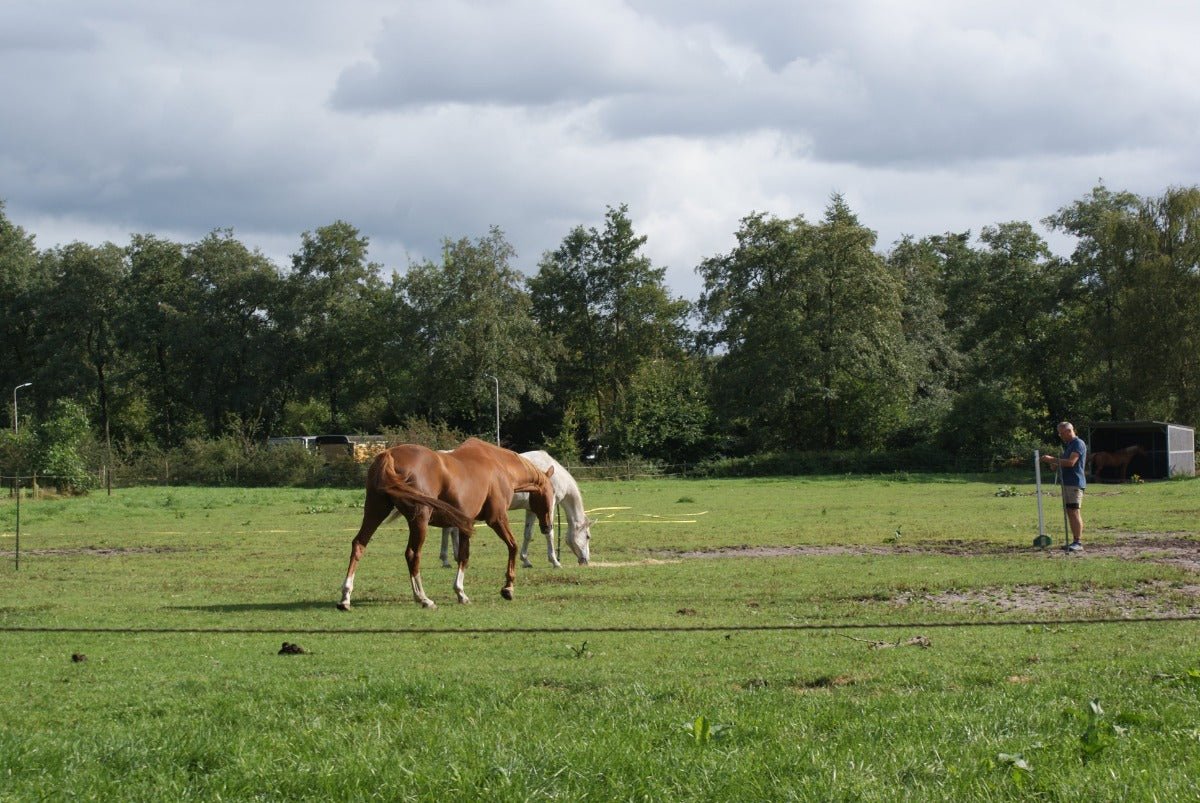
867	82
35	35
519	53
417	120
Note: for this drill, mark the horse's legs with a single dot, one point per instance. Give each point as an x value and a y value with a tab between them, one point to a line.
500	525
462	551
529	520
530	523
417	526
375	509
449	536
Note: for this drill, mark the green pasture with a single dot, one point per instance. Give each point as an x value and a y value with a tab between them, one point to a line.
786	639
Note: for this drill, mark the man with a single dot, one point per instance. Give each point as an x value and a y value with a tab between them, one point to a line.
1070	465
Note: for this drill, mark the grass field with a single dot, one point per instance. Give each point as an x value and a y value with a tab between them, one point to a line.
798	639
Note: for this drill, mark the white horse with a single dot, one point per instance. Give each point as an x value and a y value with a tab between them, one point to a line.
566	493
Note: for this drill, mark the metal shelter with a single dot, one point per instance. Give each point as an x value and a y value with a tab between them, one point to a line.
1167	450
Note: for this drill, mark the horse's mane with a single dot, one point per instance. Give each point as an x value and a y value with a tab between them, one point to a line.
566	488
534	476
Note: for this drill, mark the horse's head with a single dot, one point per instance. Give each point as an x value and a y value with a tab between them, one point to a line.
541	496
579	540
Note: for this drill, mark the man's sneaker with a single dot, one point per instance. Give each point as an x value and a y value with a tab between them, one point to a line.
1074	546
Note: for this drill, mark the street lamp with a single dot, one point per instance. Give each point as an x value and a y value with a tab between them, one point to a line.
497	381
15	420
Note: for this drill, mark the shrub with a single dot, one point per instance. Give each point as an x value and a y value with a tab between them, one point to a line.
916	458
61	442
617	470
564	446
18	453
290	465
343	471
435	435
201	461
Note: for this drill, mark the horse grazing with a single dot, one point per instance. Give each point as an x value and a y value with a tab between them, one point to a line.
566	493
1119	459
475	481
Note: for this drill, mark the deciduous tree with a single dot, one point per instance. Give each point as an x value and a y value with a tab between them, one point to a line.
84	309
806	320
23	282
474	322
607	304
332	291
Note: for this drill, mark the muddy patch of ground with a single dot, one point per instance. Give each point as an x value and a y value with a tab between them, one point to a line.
1176	549
108	552
1156	598
1147	599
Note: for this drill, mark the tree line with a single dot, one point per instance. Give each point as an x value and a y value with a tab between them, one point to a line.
806	336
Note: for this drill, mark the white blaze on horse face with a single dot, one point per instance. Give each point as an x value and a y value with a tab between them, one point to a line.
579	539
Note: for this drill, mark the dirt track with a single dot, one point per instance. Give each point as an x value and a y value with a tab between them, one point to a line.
1177	549
1156	598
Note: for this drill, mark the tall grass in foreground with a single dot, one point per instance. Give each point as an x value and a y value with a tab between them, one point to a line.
982	713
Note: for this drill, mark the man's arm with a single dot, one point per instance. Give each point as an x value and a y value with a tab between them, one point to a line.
1062	462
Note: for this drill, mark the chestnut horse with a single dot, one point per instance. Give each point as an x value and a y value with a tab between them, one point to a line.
567	495
476	480
1119	459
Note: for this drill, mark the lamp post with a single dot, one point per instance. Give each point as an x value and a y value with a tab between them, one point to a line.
15	419
497	381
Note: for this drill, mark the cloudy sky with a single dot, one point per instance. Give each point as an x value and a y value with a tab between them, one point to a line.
418	120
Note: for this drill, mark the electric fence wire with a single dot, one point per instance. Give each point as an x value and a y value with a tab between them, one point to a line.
476	631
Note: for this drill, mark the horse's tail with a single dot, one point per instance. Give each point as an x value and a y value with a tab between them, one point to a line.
391	483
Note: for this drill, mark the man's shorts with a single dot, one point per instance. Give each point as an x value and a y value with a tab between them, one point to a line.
1072	496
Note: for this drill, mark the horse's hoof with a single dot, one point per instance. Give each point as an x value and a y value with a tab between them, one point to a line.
343	606
464	600
526	564
506	593
430	604
555	565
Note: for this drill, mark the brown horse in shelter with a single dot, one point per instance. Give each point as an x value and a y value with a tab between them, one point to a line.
448	489
1120	459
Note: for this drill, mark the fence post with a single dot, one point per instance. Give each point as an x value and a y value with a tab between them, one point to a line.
17	546
558	528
